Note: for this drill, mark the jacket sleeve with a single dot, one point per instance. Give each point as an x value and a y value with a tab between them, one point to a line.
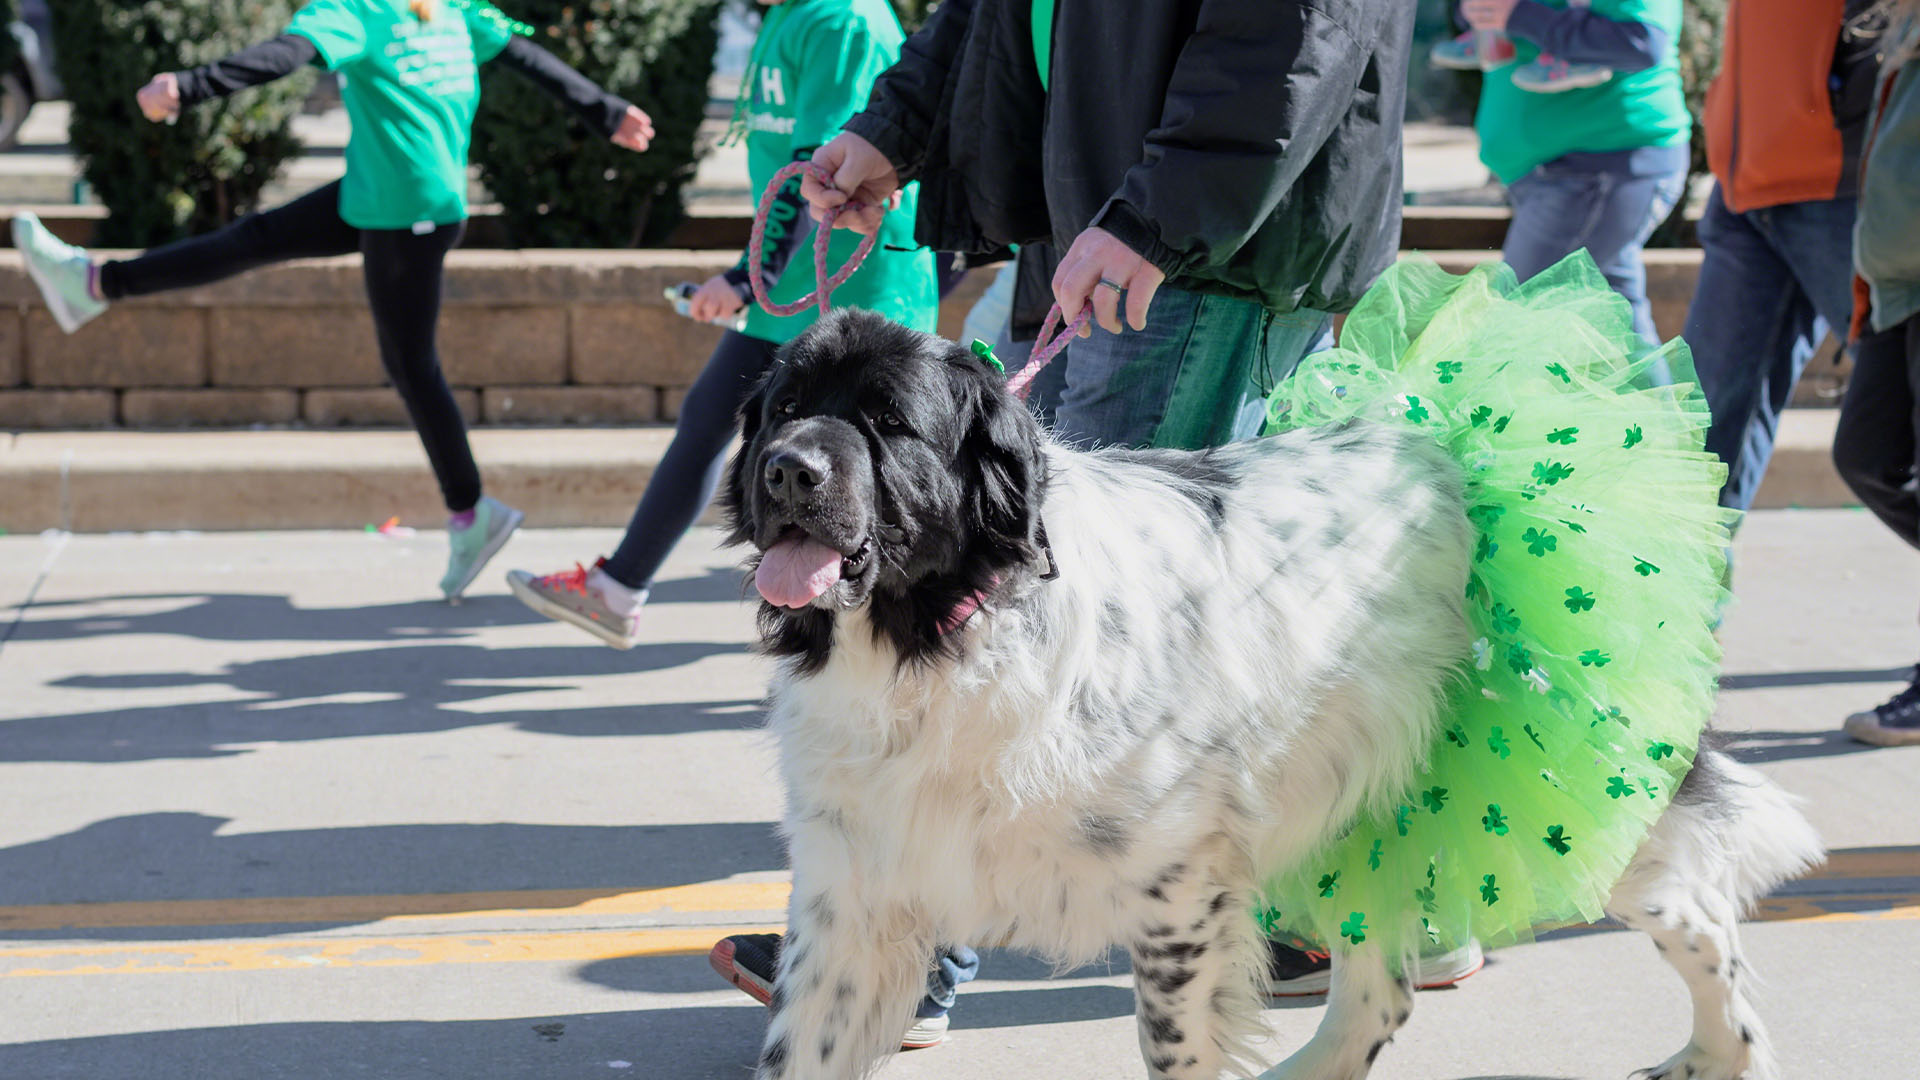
900	113
598	109
1254	95
1579	36
251	66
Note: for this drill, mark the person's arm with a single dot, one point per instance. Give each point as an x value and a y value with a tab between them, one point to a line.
599	109
1256	92
901	111
1579	36
251	66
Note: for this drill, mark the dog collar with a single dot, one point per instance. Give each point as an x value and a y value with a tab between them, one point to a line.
964	610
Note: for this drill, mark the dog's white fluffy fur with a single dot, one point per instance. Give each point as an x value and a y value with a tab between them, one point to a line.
1242	649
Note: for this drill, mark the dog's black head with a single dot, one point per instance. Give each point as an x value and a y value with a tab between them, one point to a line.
881	467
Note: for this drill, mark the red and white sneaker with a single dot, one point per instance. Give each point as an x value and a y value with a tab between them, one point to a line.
574	596
748	961
1295	972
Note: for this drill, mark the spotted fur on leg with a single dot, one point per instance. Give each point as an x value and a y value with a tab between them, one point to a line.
1367	1004
1193	973
1728	837
845	989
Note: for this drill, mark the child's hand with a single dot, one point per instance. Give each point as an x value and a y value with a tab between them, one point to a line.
860	174
636	130
160	98
714	301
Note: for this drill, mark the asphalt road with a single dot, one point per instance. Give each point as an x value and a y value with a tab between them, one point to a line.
267	809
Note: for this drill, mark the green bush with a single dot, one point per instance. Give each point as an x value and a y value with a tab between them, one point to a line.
162	182
560	185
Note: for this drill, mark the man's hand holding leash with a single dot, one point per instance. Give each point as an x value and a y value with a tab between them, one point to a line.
1097	269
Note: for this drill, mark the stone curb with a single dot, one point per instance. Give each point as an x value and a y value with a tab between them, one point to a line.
133	481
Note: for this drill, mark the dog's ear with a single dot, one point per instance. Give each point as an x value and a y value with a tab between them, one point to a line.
736	501
1002	449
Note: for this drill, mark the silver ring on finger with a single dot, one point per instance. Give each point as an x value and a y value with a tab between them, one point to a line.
1114	285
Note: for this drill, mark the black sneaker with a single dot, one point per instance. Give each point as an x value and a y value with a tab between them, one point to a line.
1295	972
748	961
1896	723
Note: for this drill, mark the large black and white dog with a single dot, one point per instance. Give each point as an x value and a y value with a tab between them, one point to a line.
1061	700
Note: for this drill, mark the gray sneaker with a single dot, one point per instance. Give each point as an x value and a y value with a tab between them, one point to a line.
471	547
569	597
1896	723
62	271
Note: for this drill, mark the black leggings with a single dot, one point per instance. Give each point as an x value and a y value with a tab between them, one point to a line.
1879	426
688	474
402	270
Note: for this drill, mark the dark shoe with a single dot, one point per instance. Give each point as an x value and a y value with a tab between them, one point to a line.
748	961
1896	723
1295	972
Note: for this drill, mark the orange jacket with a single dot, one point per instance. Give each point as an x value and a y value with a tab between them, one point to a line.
1772	133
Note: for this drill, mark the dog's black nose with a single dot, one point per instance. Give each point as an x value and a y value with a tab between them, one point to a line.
792	475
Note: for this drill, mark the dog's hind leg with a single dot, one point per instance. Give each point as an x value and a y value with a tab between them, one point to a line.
1195	960
1366	1005
1729	837
848	981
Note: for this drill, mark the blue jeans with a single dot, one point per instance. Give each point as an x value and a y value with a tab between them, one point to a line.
1563	206
952	966
1772	282
1197	376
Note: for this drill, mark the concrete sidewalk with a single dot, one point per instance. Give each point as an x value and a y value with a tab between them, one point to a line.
103	481
274	812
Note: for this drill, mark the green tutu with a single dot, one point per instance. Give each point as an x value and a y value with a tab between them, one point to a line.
1601	547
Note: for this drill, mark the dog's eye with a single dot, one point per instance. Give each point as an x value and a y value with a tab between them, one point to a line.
787	407
892	419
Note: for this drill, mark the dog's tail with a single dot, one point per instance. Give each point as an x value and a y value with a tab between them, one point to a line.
1733	827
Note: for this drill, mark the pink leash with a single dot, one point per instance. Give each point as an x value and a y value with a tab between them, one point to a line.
1047	346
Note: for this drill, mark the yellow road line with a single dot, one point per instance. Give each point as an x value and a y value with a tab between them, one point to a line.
585	946
1866	907
281	954
705	897
1887	862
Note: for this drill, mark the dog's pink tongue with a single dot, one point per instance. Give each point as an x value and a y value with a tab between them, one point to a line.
793	572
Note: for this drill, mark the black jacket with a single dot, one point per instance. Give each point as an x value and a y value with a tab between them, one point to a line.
1248	148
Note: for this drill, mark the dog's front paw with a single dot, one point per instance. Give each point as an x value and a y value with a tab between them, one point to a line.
1694	1063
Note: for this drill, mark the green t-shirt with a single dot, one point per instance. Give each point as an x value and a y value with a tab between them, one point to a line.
1520	130
813	66
1043	41
411	89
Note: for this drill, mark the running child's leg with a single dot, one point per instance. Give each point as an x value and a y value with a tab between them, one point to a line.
309	227
76	290
403	270
606	601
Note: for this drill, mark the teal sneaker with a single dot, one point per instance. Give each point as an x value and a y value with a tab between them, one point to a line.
471	547
62	271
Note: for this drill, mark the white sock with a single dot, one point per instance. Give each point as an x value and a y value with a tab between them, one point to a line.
620	598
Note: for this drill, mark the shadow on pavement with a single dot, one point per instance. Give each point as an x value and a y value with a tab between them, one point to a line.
262	617
183	856
1760	747
1773	679
363	692
680	1043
